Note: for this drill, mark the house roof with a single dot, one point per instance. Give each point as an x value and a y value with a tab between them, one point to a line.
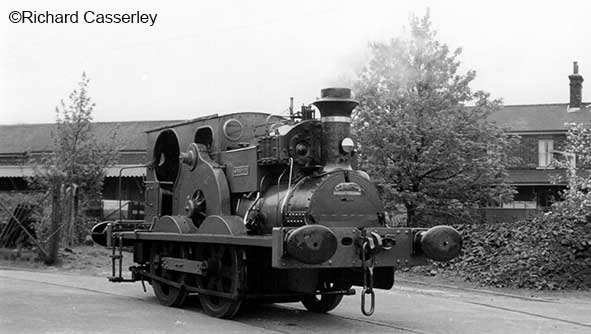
540	117
37	137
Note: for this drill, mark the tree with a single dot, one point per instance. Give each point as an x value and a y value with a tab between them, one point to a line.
79	158
577	197
417	138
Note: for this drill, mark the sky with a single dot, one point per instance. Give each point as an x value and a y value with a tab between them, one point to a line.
205	57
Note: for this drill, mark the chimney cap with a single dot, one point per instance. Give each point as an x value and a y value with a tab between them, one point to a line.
335	94
575	76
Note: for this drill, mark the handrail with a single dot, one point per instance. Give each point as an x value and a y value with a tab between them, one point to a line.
118	210
120	176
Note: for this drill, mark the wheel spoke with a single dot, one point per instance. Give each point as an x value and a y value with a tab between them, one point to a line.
226	272
224	278
166	294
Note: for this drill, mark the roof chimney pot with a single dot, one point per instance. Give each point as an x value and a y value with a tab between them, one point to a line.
576	87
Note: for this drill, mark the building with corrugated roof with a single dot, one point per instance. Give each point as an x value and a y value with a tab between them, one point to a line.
18	143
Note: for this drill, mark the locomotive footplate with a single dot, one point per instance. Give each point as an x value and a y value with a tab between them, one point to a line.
390	247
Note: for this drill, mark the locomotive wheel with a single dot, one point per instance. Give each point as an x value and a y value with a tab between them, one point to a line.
167	295
322	303
225	273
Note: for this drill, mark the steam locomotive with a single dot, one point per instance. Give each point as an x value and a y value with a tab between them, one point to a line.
252	206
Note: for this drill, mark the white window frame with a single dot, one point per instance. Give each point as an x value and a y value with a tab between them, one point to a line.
545	152
520	205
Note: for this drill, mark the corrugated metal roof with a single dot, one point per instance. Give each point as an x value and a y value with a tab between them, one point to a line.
27	171
38	137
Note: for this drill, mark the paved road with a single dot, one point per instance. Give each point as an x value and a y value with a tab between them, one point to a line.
41	302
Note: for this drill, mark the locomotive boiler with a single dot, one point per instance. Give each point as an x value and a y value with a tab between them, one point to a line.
252	206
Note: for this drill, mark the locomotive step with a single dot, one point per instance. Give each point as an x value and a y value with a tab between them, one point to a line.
116	279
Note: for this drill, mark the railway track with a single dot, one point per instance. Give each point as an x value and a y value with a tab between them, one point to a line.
283	307
481	291
506	309
283	311
365	320
245	321
486	305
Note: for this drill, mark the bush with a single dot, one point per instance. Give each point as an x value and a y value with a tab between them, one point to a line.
41	213
550	252
42	216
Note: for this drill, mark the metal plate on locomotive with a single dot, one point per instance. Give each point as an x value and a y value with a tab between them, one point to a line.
347	189
241	170
233	129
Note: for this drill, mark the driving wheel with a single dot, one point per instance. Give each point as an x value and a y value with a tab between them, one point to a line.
167	295
226	272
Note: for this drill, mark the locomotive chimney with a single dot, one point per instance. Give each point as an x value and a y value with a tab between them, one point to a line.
576	87
335	106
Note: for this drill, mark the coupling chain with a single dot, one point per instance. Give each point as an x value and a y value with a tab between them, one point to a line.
368	247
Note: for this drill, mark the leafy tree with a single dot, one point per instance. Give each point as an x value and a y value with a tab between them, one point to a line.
577	197
417	138
78	158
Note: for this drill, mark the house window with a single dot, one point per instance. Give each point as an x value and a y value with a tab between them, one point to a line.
520	205
545	149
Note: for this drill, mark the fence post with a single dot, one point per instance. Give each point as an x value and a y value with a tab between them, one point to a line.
54	240
74	217
66	215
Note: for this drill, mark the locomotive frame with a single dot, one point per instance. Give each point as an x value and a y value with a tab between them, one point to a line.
256	206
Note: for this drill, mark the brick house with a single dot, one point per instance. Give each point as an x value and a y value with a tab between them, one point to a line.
542	128
20	142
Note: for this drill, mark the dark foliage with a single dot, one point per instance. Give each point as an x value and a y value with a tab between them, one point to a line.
550	252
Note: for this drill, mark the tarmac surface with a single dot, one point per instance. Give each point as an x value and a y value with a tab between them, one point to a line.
44	302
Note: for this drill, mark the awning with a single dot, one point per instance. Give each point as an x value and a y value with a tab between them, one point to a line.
126	171
27	171
16	171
